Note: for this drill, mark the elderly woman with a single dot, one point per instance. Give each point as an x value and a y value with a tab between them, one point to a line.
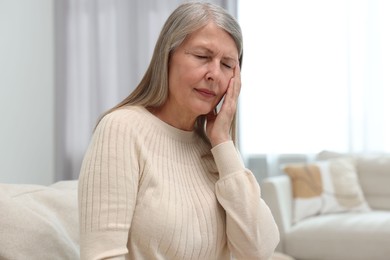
162	178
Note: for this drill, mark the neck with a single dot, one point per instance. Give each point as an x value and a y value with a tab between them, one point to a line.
174	117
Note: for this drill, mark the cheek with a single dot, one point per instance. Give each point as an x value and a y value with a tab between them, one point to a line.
183	73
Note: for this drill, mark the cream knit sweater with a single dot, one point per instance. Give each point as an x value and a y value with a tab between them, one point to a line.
147	191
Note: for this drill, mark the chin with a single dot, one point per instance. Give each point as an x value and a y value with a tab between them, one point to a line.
203	109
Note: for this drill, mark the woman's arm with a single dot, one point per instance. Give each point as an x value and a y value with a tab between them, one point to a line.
251	229
108	185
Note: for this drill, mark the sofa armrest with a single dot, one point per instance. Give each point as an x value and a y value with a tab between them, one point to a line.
38	221
276	192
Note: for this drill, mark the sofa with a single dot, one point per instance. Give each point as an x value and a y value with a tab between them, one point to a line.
336	207
39	222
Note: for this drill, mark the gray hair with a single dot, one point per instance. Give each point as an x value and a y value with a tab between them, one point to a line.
153	89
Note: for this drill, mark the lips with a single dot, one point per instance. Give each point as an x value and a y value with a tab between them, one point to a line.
206	92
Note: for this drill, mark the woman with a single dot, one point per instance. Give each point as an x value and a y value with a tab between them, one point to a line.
162	178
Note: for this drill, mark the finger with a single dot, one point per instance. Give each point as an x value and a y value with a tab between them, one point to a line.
237	79
235	84
230	91
233	90
237	71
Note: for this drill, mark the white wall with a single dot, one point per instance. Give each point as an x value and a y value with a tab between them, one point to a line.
26	91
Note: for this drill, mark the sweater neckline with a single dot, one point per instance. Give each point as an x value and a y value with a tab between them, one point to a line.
175	133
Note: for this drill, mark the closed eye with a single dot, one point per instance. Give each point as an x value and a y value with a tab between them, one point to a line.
227	65
201	57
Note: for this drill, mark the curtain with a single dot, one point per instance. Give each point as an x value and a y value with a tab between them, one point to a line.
316	76
103	48
369	77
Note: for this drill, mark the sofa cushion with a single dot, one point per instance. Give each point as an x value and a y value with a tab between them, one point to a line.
325	187
358	236
374	176
39	222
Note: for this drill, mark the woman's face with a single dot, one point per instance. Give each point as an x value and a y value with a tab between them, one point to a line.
200	70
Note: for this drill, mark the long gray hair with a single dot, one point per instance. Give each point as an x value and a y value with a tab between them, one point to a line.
153	89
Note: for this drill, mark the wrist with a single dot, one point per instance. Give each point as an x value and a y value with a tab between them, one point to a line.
219	140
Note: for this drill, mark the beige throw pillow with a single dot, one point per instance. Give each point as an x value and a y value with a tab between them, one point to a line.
324	187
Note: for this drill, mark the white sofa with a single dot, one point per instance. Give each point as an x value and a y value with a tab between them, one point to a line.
337	236
39	222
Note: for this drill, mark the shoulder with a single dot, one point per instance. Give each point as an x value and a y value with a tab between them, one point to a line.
126	117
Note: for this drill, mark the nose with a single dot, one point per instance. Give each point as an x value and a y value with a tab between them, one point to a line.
213	71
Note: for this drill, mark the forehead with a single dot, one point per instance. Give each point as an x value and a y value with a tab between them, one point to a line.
214	39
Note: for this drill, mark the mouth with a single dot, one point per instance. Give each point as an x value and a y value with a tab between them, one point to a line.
205	92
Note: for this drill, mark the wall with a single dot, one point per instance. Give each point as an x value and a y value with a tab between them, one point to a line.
26	91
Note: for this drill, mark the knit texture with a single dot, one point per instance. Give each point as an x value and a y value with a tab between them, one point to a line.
150	191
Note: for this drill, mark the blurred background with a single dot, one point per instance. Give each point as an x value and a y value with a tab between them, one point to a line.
315	77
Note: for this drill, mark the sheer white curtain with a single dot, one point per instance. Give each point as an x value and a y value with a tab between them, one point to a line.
102	50
315	76
369	70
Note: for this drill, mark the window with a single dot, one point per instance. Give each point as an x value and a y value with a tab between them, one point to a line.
314	76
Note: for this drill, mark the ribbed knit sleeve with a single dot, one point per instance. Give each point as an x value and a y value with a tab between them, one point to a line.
107	189
250	227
